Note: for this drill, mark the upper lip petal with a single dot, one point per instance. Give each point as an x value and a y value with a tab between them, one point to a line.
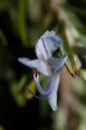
46	44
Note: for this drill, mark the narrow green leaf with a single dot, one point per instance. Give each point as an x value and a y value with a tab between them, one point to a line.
21	84
22	21
69	52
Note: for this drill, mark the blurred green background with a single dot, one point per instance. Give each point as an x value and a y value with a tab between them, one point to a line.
22	22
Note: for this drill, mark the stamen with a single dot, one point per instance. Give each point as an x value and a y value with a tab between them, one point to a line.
36	96
35	72
39	88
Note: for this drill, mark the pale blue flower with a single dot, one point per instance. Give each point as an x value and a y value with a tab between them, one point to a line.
47	65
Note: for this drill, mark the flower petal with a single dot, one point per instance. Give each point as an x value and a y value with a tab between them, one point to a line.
42	50
46	44
41	91
40	65
48	33
52	97
52	42
57	63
